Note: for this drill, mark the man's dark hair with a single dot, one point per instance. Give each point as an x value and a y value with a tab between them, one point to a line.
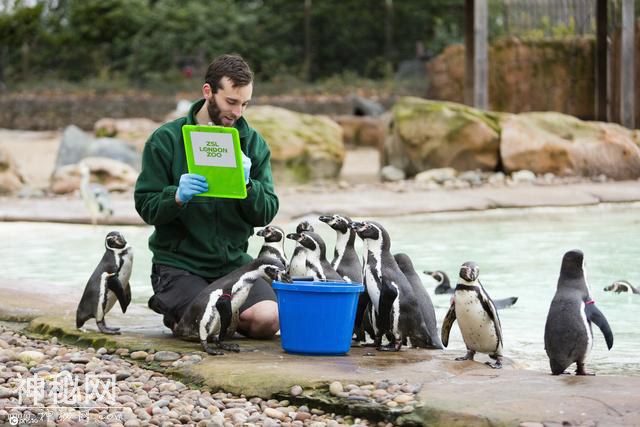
231	66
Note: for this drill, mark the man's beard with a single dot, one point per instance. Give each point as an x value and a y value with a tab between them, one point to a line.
214	113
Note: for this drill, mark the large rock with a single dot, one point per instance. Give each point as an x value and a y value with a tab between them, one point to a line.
135	131
362	131
303	147
11	180
77	144
431	134
563	145
112	174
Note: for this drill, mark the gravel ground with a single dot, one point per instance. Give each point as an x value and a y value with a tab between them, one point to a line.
113	390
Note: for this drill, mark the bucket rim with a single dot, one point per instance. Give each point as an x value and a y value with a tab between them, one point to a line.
321	287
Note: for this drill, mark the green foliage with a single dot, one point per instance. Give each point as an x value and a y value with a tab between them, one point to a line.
152	42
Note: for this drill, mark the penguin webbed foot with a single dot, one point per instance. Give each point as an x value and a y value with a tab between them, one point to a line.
469	356
392	346
209	350
496	365
581	371
106	329
229	347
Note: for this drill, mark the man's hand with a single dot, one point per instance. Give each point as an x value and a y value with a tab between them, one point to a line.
190	185
246	165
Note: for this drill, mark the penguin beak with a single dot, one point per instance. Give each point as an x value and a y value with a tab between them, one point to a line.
294	236
284	277
325	218
356	225
261	232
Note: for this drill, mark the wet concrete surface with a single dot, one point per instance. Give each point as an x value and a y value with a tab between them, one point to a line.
453	393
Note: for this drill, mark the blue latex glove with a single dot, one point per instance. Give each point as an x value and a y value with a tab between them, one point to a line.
190	185
246	165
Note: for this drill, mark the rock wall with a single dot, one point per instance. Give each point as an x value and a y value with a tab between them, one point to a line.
544	75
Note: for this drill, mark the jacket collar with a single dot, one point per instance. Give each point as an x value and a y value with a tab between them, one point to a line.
241	124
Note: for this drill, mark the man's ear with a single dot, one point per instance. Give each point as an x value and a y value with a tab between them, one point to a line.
207	90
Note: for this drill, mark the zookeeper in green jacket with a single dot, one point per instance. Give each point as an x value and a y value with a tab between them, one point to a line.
199	239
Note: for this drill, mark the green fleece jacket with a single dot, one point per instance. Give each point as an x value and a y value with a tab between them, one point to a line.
206	236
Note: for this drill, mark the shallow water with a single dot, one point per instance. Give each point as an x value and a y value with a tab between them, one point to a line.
518	251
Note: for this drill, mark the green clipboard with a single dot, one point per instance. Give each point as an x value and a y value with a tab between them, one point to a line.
214	152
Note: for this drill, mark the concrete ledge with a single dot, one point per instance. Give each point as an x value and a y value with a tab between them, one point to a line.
453	393
370	201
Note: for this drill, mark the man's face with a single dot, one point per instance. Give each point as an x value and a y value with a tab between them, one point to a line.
226	105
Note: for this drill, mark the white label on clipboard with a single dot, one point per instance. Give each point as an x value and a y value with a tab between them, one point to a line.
213	149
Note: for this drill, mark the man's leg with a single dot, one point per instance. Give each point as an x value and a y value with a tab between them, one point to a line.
259	313
174	290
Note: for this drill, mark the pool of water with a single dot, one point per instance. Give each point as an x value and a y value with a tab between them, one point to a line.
518	251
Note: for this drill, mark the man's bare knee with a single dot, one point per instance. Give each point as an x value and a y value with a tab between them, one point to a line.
260	320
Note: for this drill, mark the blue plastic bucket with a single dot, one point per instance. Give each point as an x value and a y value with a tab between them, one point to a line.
317	317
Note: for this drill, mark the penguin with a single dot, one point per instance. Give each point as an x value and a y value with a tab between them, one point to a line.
477	317
347	263
298	262
108	282
215	311
444	287
568	337
317	265
273	243
621	286
423	300
395	312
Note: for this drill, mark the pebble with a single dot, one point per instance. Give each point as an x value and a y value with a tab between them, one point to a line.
335	388
138	355
166	356
149	398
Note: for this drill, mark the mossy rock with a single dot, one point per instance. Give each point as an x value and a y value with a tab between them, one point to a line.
303	147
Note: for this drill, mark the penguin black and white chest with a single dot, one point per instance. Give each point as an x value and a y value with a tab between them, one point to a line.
317	265
477	317
298	262
395	313
273	243
444	287
345	258
215	312
347	263
108	283
621	286
568	337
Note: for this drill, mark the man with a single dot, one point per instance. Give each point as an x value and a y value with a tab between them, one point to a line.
199	239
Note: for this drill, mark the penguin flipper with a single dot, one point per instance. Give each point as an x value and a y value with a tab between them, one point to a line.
595	315
115	286
447	323
505	302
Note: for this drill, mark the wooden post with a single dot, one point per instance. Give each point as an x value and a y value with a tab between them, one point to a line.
306	65
627	68
476	64
601	61
388	38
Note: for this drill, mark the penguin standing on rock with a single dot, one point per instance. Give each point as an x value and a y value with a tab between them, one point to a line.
215	312
317	265
298	262
444	287
477	317
273	246
395	312
108	282
424	302
347	263
568	337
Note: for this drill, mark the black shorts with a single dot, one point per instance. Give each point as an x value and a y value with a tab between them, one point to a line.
174	289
